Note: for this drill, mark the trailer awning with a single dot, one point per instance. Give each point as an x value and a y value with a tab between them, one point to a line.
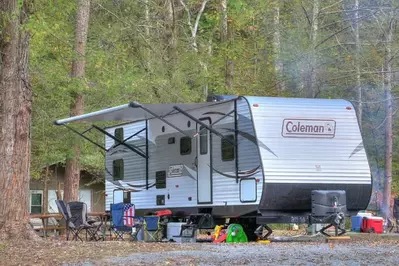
135	111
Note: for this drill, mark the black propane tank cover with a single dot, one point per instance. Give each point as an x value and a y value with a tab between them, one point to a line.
328	202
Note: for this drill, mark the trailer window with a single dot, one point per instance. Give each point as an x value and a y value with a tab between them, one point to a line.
118	169
160	179
127	197
118	133
185	145
227	148
203	140
160	200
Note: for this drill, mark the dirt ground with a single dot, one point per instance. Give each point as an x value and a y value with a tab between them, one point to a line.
365	250
52	252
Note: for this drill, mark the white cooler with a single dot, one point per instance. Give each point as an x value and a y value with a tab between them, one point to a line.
173	230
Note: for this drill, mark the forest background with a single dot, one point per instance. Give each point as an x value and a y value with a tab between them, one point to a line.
158	51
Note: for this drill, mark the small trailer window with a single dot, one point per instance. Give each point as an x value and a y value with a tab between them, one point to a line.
185	145
227	148
160	200
160	179
127	197
203	141
119	134
118	172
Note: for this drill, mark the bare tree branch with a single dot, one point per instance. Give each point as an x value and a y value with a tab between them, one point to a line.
194	28
306	14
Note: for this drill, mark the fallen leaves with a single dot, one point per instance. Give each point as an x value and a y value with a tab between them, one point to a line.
61	252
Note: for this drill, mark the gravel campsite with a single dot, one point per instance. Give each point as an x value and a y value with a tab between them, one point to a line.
365	250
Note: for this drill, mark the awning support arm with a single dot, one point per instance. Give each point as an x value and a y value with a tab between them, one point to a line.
137	105
218	120
83	136
146	159
236	139
135	134
124	144
87	130
203	124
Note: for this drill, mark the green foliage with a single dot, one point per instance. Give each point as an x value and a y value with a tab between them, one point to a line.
124	62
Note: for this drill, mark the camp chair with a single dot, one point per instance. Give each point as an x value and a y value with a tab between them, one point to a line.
153	228
393	224
77	222
124	222
62	208
394	221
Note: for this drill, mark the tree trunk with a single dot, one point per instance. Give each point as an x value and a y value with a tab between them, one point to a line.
225	32
59	195
45	189
358	81
386	209
171	31
72	171
15	118
147	17
194	30
278	65
313	56
147	33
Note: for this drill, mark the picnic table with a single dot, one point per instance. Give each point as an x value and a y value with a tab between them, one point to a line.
103	216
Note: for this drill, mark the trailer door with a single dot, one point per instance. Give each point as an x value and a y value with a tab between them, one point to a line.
204	178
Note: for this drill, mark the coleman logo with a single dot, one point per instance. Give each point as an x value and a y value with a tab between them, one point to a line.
308	128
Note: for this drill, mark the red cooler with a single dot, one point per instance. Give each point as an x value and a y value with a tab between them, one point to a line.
373	225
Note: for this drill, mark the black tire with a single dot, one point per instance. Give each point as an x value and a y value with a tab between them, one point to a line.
249	226
371	230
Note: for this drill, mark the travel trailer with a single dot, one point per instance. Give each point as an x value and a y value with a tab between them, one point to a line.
256	158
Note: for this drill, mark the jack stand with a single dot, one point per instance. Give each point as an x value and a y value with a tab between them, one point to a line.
337	222
337	227
259	232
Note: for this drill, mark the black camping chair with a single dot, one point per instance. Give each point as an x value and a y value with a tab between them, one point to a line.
77	221
394	221
62	208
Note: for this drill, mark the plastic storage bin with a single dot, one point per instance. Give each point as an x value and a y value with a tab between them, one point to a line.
356	223
373	225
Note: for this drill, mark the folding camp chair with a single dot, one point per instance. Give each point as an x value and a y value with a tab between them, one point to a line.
393	224
77	221
153	228
62	208
124	222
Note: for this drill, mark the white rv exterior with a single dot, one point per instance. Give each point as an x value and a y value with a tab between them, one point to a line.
286	147
189	179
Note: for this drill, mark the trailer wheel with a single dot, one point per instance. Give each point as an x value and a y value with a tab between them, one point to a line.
249	226
371	230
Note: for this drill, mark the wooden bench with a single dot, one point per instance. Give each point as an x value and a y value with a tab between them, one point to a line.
51	228
54	229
